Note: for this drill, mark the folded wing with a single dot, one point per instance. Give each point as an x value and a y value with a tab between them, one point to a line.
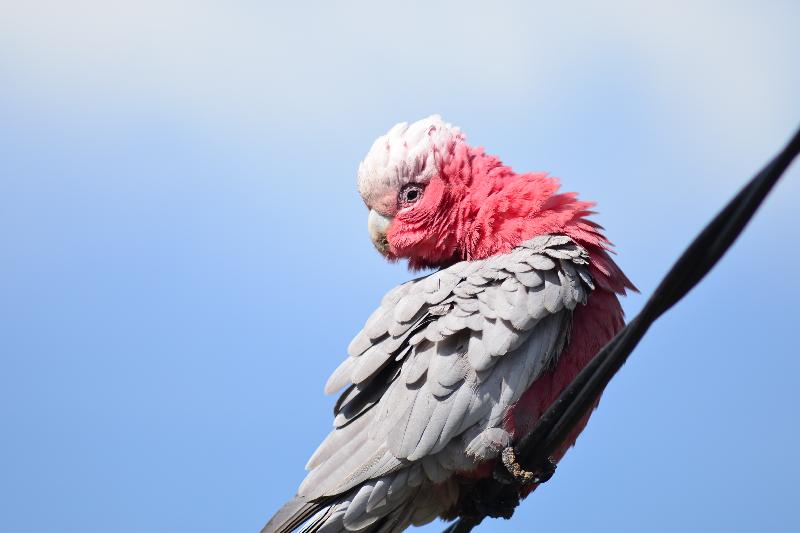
438	364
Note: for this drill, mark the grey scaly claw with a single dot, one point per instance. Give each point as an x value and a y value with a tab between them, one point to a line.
526	477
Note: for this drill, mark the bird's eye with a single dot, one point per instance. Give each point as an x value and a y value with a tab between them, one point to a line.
410	194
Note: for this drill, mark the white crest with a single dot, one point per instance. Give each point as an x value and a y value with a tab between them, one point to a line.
405	154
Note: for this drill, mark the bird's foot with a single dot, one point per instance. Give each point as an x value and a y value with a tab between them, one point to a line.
526	477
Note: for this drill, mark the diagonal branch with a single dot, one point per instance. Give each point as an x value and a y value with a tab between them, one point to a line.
534	448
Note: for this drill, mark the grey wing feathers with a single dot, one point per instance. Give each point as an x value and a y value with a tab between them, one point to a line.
293	514
435	369
387	504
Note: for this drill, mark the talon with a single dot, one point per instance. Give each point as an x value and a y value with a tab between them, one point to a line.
526	477
510	462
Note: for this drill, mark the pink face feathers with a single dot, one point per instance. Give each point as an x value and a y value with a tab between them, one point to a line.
466	204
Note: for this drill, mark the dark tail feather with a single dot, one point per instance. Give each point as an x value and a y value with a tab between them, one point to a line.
292	515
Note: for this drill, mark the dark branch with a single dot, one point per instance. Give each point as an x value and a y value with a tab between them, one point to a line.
534	448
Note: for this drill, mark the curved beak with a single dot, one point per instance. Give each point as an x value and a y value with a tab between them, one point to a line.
378	226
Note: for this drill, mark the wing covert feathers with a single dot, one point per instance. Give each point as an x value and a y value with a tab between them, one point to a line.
431	377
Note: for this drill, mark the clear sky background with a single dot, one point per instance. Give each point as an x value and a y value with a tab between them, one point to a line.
184	255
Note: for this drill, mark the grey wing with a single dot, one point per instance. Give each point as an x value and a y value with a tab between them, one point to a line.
438	364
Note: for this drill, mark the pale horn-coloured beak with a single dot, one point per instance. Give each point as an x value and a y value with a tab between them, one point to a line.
378	225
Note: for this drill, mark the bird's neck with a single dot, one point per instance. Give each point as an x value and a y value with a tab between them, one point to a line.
500	209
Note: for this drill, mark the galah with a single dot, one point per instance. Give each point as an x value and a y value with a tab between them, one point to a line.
456	365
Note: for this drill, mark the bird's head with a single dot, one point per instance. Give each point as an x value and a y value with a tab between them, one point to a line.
401	183
435	200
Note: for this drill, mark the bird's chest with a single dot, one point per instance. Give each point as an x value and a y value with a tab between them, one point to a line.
593	325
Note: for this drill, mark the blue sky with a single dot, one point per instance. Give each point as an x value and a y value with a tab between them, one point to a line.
184	256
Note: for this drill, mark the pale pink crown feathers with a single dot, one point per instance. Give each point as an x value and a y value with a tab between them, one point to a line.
405	154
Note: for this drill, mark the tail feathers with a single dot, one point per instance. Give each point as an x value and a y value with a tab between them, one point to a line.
385	505
328	516
292	515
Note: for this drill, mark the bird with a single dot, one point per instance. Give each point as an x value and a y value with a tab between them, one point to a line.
519	291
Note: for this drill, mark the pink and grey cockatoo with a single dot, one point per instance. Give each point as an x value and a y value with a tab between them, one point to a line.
454	366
